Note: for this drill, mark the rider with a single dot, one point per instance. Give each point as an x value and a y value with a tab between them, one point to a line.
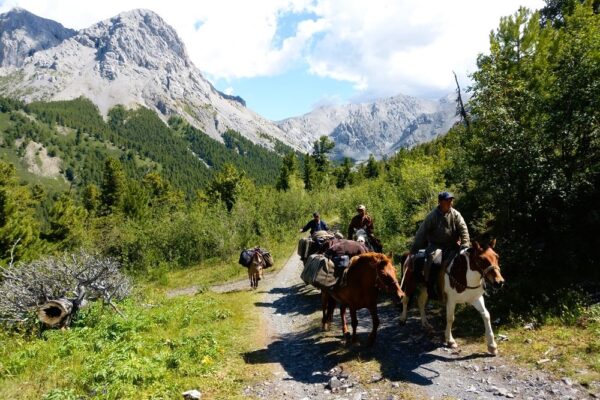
362	220
442	231
315	224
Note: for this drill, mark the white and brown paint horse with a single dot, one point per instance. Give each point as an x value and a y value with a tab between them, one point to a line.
255	269
463	282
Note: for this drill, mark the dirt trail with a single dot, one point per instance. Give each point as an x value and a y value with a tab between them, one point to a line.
404	363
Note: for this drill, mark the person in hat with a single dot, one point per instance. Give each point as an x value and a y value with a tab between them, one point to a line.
441	234
315	224
362	220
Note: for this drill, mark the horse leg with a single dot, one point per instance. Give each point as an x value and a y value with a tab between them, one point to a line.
479	305
345	324
375	318
328	306
250	278
404	315
423	297
450	306
354	324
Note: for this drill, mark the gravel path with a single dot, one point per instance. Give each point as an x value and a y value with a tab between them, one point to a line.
404	363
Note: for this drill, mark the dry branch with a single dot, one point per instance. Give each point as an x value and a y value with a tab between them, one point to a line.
53	289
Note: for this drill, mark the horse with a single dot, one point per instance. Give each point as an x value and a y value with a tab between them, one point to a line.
361	236
255	269
366	275
463	282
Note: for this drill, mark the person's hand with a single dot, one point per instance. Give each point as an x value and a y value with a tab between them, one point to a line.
300	231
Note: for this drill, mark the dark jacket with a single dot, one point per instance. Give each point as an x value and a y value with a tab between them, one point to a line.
365	222
315	226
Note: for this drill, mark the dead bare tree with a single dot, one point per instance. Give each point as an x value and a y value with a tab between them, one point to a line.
53	289
461	107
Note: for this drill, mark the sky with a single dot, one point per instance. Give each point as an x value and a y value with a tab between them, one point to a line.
286	57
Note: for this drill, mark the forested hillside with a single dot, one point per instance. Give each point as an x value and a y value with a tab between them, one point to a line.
75	132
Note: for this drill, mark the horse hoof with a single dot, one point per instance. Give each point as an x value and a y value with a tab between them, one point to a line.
493	350
402	322
453	345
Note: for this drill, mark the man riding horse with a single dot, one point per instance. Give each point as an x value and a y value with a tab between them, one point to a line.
440	235
362	220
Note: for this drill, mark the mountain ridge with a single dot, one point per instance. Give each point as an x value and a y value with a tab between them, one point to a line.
136	59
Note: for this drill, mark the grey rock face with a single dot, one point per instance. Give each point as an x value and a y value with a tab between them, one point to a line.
22	34
379	128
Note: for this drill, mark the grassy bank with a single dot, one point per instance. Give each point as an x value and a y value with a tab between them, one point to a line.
163	347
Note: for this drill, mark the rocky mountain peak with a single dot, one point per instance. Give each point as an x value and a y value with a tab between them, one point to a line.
138	37
23	33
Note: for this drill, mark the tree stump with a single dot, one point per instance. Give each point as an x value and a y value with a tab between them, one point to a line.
55	313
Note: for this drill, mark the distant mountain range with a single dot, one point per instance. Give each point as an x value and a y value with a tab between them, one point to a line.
135	58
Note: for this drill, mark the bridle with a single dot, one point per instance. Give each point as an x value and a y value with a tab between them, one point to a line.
482	271
380	283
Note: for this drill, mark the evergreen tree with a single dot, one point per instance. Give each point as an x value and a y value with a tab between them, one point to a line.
288	168
309	173
66	222
226	186
372	168
321	150
91	198
113	186
344	174
18	222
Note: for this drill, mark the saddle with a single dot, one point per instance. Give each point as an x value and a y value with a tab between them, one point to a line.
435	272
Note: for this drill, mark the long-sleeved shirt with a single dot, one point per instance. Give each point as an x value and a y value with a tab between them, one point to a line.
360	222
315	226
441	230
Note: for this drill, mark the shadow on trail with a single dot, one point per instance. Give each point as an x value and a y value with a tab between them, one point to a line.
297	299
405	353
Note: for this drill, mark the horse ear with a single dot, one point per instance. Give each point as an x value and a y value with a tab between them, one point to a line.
493	243
477	246
390	255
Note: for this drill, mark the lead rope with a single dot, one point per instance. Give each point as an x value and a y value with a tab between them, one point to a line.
404	272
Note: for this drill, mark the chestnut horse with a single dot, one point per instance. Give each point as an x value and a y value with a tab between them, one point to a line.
366	275
462	281
255	269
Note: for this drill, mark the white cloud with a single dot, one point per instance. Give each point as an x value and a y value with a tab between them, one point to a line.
383	47
229	91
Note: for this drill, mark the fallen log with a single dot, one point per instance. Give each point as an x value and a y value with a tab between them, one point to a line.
55	313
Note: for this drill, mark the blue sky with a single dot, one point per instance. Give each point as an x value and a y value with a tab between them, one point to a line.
285	57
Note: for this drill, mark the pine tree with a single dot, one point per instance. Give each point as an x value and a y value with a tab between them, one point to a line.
113	186
309	173
372	168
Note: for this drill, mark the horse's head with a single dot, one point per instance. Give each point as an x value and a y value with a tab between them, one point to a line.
386	276
360	235
487	261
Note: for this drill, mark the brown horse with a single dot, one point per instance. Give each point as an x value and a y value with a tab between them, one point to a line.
255	269
367	274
